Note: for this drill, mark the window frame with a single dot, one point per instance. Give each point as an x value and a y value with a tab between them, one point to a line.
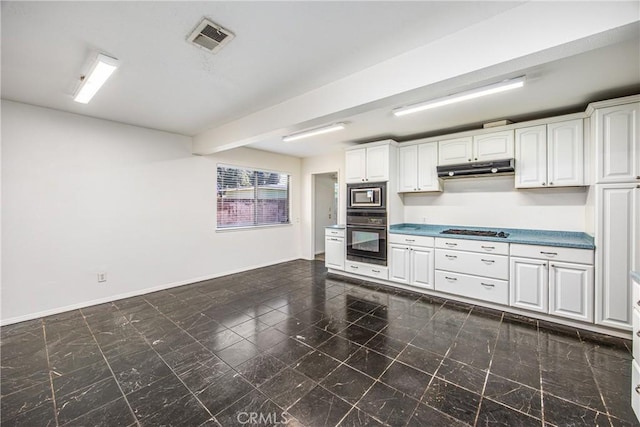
254	226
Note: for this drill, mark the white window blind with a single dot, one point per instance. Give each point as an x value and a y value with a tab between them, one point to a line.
250	197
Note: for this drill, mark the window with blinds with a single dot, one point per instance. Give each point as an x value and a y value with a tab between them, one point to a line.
251	198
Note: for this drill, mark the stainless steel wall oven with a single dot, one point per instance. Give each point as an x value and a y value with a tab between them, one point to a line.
367	223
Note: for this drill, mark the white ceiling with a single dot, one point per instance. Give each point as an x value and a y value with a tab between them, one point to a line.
281	50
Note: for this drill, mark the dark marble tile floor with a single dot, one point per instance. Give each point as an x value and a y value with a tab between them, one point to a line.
289	345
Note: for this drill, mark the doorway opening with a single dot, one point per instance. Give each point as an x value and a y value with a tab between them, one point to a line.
325	207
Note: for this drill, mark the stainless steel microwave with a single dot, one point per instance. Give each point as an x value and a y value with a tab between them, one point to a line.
369	195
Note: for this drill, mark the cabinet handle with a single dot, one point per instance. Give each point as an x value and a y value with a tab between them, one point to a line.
450	278
637	177
375	271
638	302
549	253
490	261
638	389
490	285
451	244
353	266
553	266
475	158
451	256
544	183
638	333
551	183
409	240
488	247
469	159
334	240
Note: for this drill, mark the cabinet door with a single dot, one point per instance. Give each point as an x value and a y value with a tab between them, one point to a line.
529	284
334	252
565	153
422	267
493	146
531	157
378	163
455	151
399	268
355	165
408	169
427	163
618	251
617	139
571	291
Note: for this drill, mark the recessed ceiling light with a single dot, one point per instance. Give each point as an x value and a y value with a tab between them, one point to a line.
462	96
101	68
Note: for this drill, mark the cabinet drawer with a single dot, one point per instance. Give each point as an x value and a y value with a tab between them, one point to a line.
488	265
635	331
334	232
635	291
554	253
408	239
369	270
498	248
635	388
481	288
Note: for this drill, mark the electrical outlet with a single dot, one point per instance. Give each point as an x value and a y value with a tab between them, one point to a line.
102	277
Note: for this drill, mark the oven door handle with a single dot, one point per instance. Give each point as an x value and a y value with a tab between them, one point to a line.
371	227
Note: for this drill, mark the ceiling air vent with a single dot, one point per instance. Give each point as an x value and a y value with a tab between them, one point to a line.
210	36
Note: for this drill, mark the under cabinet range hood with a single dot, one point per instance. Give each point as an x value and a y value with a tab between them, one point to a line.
468	170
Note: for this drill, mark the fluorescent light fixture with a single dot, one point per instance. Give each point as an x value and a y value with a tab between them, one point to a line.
313	132
462	96
100	70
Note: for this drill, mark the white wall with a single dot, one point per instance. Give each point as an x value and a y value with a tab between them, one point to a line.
82	195
333	162
493	202
325	207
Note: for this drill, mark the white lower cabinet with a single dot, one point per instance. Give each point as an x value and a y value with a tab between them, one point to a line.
635	369
558	281
334	248
411	265
476	287
369	270
529	284
571	291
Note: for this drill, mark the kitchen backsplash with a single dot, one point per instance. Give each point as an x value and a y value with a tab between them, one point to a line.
494	202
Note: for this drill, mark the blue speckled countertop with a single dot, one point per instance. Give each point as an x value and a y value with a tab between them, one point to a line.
338	226
635	275
568	239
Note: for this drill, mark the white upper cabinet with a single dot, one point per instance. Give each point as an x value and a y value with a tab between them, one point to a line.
565	155
617	140
455	151
356	165
531	157
367	164
417	168
493	146
550	155
477	148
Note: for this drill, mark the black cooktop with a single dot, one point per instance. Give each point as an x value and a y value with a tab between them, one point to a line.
476	233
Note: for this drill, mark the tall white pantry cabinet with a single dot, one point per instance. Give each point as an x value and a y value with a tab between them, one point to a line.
617	207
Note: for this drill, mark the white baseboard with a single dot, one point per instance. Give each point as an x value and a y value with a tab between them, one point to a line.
135	293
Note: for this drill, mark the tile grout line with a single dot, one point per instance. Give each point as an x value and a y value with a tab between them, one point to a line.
46	349
170	368
591	368
542	411
124	396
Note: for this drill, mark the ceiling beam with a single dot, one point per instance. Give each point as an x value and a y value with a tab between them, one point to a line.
530	34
